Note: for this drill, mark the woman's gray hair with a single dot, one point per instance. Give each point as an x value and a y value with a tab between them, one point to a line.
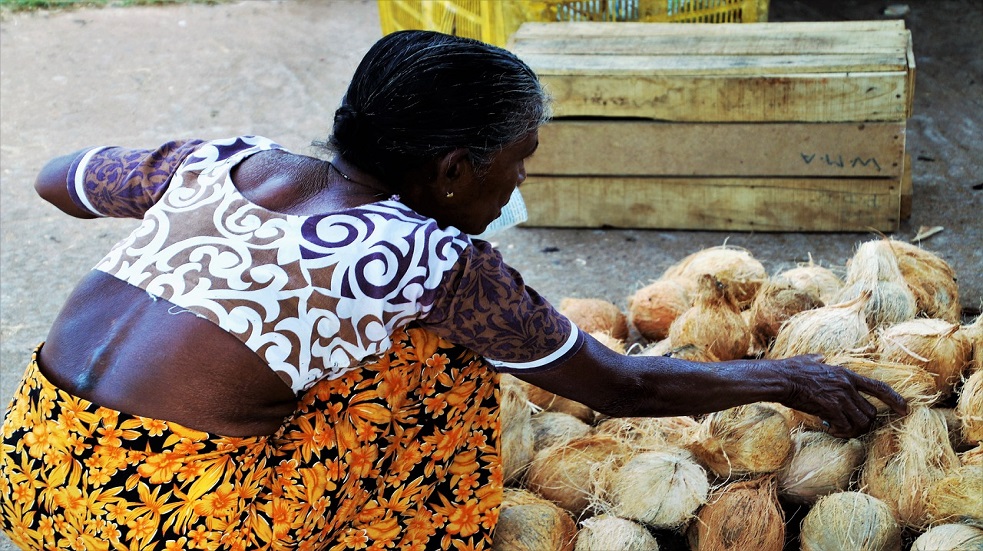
417	95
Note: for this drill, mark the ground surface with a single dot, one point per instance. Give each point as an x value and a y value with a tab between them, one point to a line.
139	76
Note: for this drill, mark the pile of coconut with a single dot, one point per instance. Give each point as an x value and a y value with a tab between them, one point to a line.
763	476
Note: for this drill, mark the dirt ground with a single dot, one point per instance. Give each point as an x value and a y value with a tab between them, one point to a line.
142	75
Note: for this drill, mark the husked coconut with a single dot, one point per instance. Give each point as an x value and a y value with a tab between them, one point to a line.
850	520
955	427
651	433
950	537
821	464
607	533
934	345
740	515
713	323
957	497
548	401
931	279
969	408
750	439
828	330
529	523
574	475
515	415
905	460
814	279
974	334
774	304
652	309
659	489
610	342
916	385
972	456
874	269
594	315
551	428
734	267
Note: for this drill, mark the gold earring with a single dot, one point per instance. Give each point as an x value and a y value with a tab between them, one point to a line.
450	194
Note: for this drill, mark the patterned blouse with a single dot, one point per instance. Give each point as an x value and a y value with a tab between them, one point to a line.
313	296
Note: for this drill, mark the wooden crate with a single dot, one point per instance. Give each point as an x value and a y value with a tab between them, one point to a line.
769	126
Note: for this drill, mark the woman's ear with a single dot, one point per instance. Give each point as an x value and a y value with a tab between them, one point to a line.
454	171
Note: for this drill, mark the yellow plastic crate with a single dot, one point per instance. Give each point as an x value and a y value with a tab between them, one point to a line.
494	21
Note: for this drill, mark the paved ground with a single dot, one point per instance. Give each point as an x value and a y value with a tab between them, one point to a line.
139	76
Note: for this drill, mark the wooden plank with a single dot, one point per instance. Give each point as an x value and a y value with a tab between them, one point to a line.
723	65
822	205
910	88
907	190
830	97
593	29
843	43
646	148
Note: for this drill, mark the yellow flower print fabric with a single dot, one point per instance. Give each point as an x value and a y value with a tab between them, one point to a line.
400	454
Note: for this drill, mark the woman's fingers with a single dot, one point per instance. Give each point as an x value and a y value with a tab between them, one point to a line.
883	392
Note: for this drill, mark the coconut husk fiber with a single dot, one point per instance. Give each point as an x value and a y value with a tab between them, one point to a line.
527	522
905	459
548	401
608	533
874	269
850	520
651	433
814	279
733	266
749	439
775	303
931	280
713	323
575	474
828	330
609	341
972	456
950	537
740	515
969	409
957	497
936	346
515	414
658	489
916	385
820	465
974	333
552	428
594	315
653	308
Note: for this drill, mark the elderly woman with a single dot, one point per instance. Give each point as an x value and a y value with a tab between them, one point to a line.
290	353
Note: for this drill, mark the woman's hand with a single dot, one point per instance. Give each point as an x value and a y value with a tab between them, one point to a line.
834	394
643	386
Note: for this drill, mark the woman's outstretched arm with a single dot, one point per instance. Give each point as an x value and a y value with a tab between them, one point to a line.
52	184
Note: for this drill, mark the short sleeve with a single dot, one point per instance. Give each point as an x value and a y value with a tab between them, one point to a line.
124	183
485	305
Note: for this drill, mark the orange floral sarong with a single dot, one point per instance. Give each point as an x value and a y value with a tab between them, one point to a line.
399	454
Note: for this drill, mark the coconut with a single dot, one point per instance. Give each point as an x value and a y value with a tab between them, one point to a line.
934	345
814	279
547	401
610	342
974	334
829	330
607	533
659	489
950	537
594	315
748	439
652	309
529	523
931	280
955	427
821	464
775	303
741	515
661	348
651	433
914	384
905	460
517	436
574	475
850	520
551	428
874	269
969	408
714	323
973	456
957	497
733	266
